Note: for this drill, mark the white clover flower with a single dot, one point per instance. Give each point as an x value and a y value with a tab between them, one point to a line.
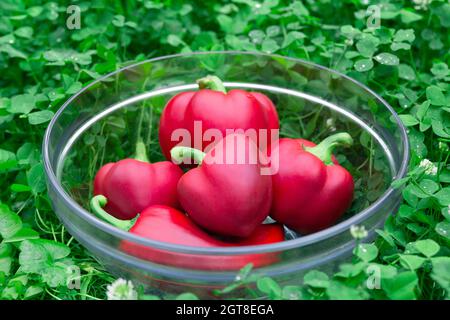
430	167
358	232
121	290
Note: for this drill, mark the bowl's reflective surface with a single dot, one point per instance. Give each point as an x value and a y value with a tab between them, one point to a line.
100	124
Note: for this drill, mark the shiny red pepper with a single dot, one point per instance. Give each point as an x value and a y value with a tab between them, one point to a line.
166	224
310	190
131	185
216	109
226	194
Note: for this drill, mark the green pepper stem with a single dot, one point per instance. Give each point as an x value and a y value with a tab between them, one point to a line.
324	150
211	82
98	202
141	151
178	154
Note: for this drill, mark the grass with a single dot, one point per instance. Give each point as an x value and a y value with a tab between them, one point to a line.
405	60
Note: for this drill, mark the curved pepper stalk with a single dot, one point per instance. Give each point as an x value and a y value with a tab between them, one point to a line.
98	202
179	154
212	83
141	151
324	150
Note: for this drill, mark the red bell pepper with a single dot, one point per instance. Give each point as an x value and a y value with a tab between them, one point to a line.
310	190
226	194
166	224
131	185
216	109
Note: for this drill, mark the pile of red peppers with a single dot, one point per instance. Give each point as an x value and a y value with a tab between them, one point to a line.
219	192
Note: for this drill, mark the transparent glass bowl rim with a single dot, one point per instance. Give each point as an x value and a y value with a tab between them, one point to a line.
280	246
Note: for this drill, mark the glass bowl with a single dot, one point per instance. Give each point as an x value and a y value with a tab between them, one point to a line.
101	123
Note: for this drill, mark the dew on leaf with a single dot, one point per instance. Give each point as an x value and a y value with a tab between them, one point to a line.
387	59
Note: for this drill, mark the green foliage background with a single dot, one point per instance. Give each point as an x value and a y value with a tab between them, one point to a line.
43	63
